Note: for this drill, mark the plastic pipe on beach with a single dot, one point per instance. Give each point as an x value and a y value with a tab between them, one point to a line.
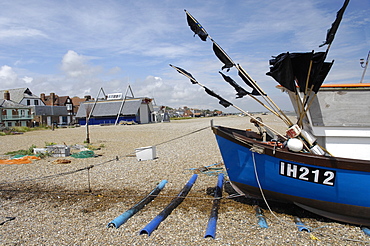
212	222
300	225
152	225
261	218
117	222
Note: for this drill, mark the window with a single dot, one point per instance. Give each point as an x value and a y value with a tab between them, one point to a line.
28	102
36	102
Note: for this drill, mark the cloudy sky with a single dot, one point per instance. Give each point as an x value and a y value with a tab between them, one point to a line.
76	47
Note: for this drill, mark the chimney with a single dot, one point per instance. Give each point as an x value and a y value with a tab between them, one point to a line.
42	96
6	95
52	98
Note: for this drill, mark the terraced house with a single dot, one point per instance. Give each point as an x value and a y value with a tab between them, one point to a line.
13	113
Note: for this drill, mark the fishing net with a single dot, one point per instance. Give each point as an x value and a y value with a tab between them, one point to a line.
20	159
84	154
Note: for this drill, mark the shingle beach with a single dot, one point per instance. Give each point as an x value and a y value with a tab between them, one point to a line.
52	204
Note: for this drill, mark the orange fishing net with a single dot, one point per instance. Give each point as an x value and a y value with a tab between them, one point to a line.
23	160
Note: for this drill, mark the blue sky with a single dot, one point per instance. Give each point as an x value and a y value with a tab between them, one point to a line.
76	47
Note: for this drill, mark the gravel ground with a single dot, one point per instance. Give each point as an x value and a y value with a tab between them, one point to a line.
52	204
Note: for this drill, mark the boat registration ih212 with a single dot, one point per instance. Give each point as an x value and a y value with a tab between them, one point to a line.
310	174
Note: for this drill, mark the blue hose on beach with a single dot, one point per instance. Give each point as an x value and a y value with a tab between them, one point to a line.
261	218
212	222
300	225
149	228
117	222
366	230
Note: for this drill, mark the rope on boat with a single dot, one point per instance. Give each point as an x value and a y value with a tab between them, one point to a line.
263	195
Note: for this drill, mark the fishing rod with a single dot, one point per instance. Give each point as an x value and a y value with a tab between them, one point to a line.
223	101
199	30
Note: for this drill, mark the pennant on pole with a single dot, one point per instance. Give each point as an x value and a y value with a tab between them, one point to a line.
256	93
334	27
224	58
245	79
240	90
196	27
222	101
187	74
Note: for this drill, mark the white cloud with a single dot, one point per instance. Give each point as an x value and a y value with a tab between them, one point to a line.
7	76
21	33
75	65
27	79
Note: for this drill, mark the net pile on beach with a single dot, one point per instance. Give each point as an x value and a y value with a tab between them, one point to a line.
84	154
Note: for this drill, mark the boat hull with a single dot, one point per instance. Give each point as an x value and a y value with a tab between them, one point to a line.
335	188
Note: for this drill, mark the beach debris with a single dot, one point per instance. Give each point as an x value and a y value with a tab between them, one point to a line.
149	228
37	151
61	161
79	147
126	122
211	170
117	222
131	155
58	150
7	220
146	153
212	221
313	237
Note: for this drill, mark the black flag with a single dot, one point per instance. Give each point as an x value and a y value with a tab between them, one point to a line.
334	27
245	79
222	101
282	71
301	65
326	66
224	58
317	65
256	93
187	74
240	90
196	27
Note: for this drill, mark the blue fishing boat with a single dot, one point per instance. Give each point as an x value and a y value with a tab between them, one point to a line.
322	162
332	187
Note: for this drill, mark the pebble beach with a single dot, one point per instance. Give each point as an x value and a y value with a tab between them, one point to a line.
56	203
